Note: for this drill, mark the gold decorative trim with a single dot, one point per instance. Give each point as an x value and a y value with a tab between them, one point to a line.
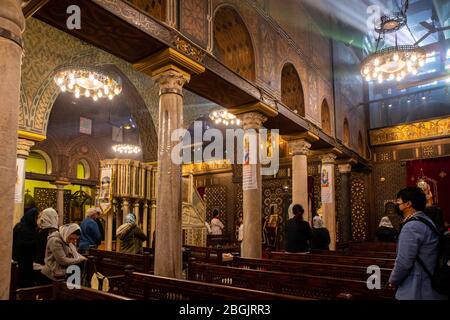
31	136
308	136
168	59
260	107
218	166
61	182
421	130
32	6
187	48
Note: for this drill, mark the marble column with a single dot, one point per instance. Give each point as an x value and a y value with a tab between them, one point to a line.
125	209
136	212
168	255
328	196
346	210
23	151
109	230
12	24
145	222
152	222
60	200
300	149
252	196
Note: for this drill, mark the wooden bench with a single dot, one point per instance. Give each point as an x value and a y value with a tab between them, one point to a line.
316	287
368	246
358	253
212	254
110	263
14	280
311	268
149	287
333	259
59	291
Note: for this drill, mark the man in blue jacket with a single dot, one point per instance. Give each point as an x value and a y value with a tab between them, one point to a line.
416	240
90	233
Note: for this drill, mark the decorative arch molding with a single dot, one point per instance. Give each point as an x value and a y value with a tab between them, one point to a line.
292	93
346	133
48	160
232	41
39	92
81	149
326	117
87	168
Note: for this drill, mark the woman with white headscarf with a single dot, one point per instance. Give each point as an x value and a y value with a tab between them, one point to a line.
47	224
320	236
61	251
386	231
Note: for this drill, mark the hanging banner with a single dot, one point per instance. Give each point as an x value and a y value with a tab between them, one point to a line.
325	183
105	189
20	167
249	179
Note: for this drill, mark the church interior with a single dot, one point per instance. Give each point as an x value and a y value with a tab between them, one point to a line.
203	124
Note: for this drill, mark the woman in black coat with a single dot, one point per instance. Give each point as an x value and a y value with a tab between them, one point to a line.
24	246
386	231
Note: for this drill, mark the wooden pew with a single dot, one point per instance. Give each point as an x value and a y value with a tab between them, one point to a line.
324	288
368	246
148	287
211	254
110	263
14	280
311	268
59	291
358	253
333	259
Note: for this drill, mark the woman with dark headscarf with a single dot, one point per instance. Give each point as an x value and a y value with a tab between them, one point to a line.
24	246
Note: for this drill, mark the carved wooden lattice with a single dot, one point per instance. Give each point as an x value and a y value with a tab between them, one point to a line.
156	8
216	198
46	198
359	207
339	209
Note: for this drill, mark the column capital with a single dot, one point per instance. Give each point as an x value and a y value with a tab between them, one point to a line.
60	184
345	168
299	147
259	107
23	147
328	158
252	120
168	59
172	81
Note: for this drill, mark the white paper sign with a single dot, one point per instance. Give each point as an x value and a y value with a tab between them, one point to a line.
20	165
249	180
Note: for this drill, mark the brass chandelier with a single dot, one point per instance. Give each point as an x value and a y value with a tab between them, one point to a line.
394	62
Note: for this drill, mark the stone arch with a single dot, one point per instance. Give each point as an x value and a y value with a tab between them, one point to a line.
46	157
82	150
326	117
346	133
292	93
42	104
233	44
86	166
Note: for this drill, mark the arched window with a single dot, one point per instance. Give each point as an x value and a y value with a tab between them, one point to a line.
232	43
346	134
83	169
326	118
292	90
38	162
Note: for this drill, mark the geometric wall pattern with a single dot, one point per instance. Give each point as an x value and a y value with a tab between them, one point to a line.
360	206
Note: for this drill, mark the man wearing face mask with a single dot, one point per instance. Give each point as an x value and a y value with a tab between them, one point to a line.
416	239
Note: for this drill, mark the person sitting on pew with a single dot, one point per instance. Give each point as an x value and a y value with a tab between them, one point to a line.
320	236
298	232
386	231
131	236
24	246
47	224
62	252
90	232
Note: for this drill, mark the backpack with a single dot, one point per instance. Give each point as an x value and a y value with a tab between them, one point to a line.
440	278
